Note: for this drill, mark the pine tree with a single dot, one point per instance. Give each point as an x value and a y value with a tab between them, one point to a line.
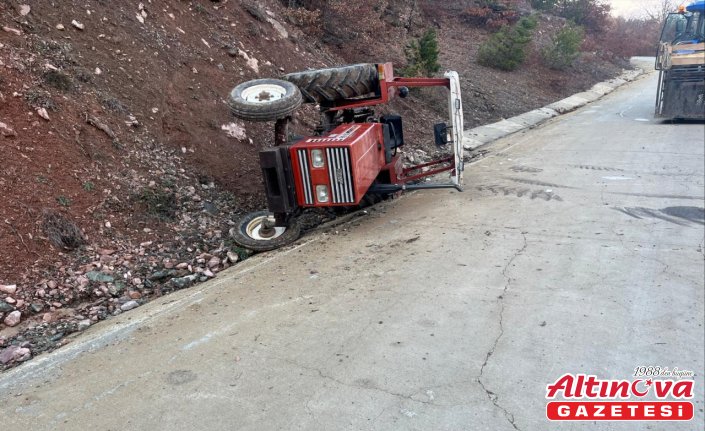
564	48
506	49
422	55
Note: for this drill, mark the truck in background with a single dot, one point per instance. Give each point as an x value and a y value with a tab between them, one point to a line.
680	60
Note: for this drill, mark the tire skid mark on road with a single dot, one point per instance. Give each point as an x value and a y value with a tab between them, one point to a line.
533	194
654	195
529	169
597	168
537	183
682	216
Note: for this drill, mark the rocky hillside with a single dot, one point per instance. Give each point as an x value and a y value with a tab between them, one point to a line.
122	169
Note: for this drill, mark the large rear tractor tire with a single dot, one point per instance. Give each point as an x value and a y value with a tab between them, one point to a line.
325	86
250	233
264	100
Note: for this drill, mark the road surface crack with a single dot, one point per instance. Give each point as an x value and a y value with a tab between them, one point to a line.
494	398
371	387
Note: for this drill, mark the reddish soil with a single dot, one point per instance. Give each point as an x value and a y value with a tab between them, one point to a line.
134	153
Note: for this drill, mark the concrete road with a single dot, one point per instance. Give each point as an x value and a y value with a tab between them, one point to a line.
576	248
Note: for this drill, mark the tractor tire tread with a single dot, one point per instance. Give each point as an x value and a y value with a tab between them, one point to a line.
337	83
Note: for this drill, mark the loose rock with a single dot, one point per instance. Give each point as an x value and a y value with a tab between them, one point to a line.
233	257
234	130
183	282
12	30
5	307
14	353
7	131
10	289
99	277
42	112
161	275
84	324
13	318
23	354
129	305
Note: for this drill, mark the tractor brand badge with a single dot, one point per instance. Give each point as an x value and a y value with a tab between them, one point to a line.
652	394
339	176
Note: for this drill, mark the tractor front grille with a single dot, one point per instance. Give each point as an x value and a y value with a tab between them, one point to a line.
687	74
340	175
305	176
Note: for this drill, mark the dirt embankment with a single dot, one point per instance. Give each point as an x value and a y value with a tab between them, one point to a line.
122	169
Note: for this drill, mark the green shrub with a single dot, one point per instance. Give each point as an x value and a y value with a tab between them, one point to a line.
58	80
63	201
506	49
564	48
158	203
422	55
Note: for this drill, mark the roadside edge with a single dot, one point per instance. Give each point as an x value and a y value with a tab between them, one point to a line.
483	135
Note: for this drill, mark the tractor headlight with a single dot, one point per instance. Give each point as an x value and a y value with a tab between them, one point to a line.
317	158
322	194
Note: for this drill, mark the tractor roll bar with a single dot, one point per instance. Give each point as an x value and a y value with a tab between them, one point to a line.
387	82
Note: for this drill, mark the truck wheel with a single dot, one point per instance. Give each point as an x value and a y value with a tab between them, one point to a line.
250	233
264	100
337	83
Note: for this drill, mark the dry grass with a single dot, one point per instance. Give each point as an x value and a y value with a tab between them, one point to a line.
61	232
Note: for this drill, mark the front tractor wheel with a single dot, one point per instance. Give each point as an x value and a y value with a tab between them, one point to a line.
252	232
264	100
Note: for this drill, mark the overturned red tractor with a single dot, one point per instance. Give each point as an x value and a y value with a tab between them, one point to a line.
352	154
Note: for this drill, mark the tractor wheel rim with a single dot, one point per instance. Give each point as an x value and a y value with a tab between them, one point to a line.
255	230
263	93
